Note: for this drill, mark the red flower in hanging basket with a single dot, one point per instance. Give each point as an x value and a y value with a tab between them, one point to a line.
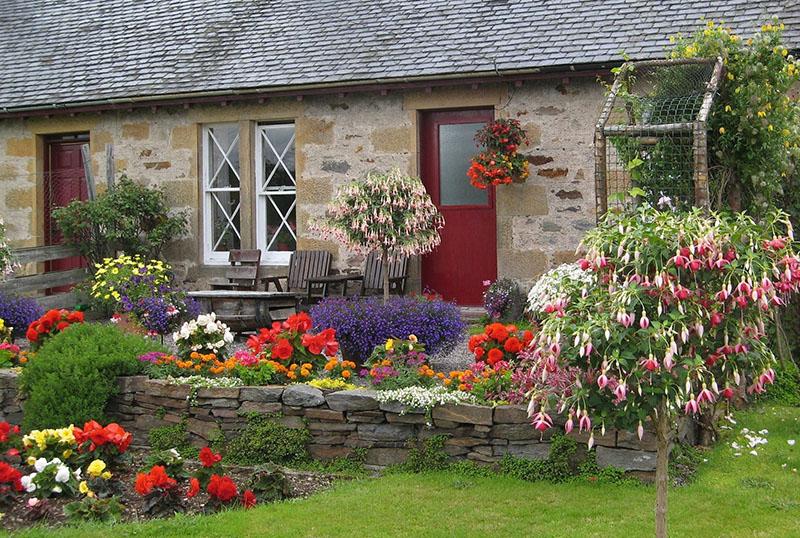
499	163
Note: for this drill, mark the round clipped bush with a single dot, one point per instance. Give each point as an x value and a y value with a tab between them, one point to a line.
74	374
363	323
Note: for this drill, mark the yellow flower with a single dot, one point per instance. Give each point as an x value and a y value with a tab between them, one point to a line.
31	460
761	114
412	338
730	76
83	487
106	475
722	130
66	454
728	108
96	468
769	127
389	344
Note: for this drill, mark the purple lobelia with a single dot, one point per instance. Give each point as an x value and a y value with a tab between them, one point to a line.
19	312
361	323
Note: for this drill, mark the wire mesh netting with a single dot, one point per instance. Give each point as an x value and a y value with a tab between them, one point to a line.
651	135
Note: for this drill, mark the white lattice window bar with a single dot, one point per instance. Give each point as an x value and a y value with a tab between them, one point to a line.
276	192
221	192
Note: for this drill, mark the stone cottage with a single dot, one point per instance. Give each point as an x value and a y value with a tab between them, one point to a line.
250	113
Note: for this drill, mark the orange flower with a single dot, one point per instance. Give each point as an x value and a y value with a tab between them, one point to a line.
346	374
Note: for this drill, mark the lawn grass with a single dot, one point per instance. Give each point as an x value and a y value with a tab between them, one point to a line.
732	496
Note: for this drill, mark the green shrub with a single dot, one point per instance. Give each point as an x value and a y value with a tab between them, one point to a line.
74	374
786	389
265	440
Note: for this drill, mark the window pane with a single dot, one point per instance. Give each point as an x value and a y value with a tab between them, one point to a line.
281	236
223	148
225	223
456	148
278	151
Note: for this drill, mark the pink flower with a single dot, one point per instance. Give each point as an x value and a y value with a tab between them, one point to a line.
584	423
650	364
705	396
569	424
691	407
621	392
602	381
542	421
644	321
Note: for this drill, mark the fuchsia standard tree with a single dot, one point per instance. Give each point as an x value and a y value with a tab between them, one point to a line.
388	212
675	319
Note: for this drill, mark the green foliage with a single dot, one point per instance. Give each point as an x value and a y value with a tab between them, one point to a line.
6	259
269	484
589	470
684	459
259	374
93	509
266	440
169	437
75	373
425	456
171	459
130	218
754	141
786	390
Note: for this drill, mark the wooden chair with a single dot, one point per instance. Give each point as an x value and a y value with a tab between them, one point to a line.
372	277
304	267
243	271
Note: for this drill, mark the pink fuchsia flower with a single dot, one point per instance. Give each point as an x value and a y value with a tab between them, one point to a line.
602	381
569	424
621	392
705	396
542	421
691	407
585	423
650	364
644	321
640	430
716	319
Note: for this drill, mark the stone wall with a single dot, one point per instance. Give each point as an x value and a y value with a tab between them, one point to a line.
10	408
338	138
342	421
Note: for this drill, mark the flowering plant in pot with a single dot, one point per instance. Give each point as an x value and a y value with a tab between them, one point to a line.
204	334
676	318
499	163
400	363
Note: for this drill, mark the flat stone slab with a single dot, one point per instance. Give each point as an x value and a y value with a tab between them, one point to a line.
464	414
303	396
626	459
511	414
267	394
352	400
400	409
385	432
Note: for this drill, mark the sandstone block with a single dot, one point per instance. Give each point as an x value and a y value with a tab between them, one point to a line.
514	432
511	414
397	407
463	413
325	452
385	432
324	414
536	451
160	387
372	417
263	408
218	392
384	457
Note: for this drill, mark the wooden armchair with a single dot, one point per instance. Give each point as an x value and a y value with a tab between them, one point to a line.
304	267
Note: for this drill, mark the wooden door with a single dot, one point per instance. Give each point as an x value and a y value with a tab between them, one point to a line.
468	253
64	181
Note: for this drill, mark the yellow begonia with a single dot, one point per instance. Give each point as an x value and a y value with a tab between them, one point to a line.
96	468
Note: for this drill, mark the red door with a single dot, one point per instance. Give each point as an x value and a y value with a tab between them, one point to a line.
64	181
468	253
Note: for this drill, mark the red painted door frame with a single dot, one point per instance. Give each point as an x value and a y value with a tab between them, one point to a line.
468	253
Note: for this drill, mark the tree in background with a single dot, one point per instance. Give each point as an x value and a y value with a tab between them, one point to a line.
388	212
675	319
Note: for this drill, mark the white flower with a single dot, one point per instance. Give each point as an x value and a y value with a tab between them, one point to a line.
754	453
203	320
62	474
790	442
40	464
550	286
27	482
211	328
228	336
57	489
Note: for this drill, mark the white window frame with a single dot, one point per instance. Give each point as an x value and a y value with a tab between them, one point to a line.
263	196
210	256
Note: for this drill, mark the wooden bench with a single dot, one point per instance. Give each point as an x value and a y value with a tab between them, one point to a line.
305	268
49	282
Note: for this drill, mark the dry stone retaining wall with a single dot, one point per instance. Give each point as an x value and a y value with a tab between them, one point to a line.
341	421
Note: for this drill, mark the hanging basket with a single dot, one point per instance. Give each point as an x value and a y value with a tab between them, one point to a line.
499	163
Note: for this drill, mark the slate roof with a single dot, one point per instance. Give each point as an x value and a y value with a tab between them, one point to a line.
60	52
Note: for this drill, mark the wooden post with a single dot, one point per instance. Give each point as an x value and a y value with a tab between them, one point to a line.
700	148
385	271
87	171
600	174
110	167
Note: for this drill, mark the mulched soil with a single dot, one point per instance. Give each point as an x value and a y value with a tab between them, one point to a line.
50	512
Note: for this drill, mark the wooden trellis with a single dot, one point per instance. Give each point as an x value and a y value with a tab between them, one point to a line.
652	132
